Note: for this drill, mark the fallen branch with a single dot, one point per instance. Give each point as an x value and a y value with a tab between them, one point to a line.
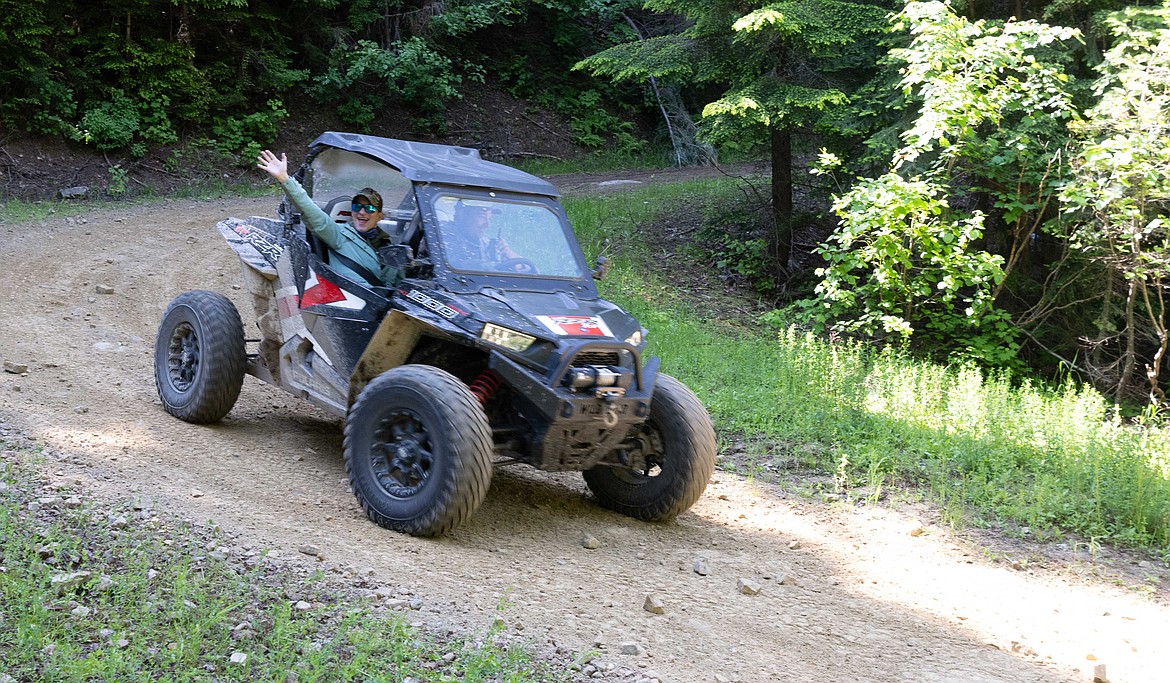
535	155
1070	363
541	125
157	169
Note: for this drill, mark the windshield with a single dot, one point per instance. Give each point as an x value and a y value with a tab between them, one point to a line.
501	237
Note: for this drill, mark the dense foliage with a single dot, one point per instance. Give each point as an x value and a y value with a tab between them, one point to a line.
130	74
774	69
1119	196
1015	191
910	258
1025	166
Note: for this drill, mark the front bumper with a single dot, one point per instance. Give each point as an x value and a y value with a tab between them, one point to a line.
573	430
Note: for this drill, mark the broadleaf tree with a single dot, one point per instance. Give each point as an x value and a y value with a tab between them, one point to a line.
1120	196
910	259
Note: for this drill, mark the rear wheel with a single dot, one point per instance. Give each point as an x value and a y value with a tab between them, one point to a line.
418	450
676	445
199	357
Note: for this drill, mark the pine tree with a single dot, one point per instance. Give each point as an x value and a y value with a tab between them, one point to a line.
780	69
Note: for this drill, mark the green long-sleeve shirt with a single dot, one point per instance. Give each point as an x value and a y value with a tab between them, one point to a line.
341	238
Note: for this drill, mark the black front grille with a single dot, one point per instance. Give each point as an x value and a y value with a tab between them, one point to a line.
597	358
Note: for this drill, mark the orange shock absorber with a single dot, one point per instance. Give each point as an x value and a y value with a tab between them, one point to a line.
485	385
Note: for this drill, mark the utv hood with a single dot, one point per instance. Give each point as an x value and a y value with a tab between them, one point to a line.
552	315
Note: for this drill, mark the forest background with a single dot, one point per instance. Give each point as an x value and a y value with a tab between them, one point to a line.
980	182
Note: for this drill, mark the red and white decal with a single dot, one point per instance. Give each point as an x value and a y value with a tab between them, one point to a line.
286	302
318	290
575	325
291	323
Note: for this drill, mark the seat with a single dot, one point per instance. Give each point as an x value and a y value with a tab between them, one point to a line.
338	208
402	227
339	212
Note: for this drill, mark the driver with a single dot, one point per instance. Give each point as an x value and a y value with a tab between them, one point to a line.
470	245
356	241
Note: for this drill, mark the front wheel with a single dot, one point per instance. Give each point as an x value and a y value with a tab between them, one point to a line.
199	357
676	445
418	450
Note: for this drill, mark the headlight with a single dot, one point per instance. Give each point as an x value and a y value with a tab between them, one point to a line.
509	339
635	338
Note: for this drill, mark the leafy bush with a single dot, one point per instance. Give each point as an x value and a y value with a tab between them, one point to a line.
33	95
902	262
595	126
45	108
244	136
117	184
1120	195
908	259
362	79
111	125
122	123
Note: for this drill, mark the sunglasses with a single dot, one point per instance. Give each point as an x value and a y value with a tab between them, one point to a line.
369	208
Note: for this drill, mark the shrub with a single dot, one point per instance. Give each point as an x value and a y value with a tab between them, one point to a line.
123	123
111	125
244	136
364	77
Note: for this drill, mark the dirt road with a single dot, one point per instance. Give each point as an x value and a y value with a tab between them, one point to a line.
847	594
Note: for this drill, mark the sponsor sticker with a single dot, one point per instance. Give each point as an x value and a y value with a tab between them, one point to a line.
575	325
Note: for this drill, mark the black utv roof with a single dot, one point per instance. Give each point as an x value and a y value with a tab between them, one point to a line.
432	163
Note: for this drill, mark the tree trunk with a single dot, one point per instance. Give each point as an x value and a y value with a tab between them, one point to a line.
1156	315
1127	360
781	242
678	157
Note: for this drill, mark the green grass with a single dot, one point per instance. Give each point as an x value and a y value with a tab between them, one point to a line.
995	448
105	594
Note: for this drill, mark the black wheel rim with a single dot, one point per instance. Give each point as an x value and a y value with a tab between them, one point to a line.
183	357
647	450
401	454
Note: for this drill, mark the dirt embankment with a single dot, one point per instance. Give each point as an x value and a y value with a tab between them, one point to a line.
845	593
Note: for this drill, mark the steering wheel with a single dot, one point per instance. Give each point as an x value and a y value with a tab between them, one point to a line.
517	265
